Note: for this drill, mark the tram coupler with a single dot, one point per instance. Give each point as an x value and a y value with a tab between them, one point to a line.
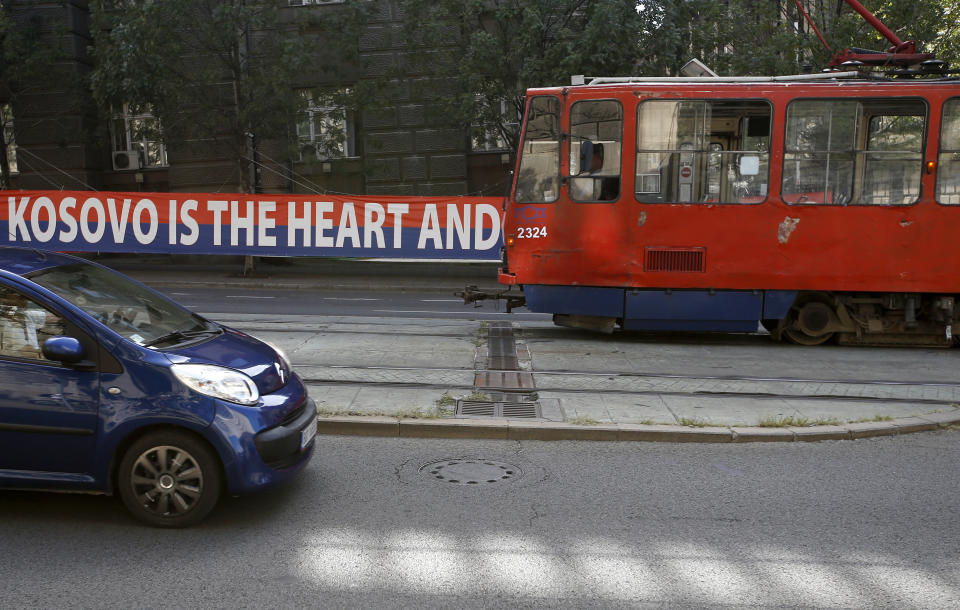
472	294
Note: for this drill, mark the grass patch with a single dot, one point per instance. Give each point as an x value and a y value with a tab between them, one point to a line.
867	420
583	420
695	422
949	427
446	400
797	422
646	422
400	414
478	396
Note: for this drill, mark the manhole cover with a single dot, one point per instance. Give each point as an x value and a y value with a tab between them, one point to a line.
471	471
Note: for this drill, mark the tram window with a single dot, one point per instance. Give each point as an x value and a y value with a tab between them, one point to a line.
596	129
538	179
948	163
853	152
703	151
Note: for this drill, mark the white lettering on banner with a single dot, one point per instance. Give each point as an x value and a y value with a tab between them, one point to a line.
324	223
43	204
298	223
15	219
145	205
172	223
462	226
252	223
348	227
67	218
265	223
238	222
217	208
485	210
430	228
373	217
118	226
397	210
190	205
92	237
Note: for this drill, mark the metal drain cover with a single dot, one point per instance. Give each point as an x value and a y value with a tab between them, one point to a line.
471	471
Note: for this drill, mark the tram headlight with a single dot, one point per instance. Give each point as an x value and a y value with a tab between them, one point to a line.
510	240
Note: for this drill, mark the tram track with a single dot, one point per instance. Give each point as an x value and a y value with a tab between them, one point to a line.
621	383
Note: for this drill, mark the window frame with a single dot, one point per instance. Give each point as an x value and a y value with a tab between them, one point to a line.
707	151
128	118
574	150
860	150
941	151
316	115
7	123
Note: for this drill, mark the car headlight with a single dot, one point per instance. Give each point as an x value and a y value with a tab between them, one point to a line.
219	382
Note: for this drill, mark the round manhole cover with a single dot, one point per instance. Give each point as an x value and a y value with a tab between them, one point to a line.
471	471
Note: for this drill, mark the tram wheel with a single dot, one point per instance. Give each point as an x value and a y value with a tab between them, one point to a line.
809	314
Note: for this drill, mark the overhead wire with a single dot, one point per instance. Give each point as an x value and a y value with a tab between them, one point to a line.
72	177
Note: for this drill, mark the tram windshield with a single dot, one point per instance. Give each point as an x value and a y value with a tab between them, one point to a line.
538	179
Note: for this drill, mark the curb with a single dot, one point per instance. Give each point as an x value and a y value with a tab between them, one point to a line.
504	429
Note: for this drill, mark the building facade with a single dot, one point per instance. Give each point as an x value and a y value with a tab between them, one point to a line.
58	138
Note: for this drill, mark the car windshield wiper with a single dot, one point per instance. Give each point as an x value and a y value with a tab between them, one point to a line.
180	335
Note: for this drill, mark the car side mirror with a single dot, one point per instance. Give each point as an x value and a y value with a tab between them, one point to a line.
63	349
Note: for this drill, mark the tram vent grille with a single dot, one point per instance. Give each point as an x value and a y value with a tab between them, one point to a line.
682	260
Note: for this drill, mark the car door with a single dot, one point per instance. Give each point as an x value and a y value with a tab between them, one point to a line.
48	411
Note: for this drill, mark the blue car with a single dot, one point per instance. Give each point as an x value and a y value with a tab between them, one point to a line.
108	386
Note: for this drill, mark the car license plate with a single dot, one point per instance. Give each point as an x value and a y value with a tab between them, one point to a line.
308	433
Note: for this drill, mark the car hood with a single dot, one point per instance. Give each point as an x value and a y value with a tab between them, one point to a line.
237	350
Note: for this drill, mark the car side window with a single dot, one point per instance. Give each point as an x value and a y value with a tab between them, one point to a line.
25	325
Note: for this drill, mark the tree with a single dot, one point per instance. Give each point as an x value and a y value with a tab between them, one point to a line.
762	37
486	53
226	74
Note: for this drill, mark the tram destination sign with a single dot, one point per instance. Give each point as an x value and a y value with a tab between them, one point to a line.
262	225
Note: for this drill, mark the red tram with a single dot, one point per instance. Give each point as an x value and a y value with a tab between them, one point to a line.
820	206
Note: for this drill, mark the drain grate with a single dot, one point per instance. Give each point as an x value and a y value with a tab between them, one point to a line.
471	471
491	408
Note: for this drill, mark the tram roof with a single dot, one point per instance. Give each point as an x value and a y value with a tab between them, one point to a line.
849	77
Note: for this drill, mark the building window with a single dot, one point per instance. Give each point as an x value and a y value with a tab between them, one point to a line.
6	123
488	137
137	139
324	129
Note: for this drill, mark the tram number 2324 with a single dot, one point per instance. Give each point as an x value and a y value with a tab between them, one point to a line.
531	232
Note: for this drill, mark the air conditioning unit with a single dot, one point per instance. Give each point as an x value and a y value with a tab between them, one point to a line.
126	159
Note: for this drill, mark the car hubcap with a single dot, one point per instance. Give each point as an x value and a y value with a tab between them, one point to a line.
167	481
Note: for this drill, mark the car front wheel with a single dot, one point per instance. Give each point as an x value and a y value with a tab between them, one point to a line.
170	479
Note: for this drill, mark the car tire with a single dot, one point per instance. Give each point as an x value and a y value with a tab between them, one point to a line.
170	478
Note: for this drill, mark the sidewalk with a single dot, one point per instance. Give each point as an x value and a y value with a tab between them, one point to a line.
409	377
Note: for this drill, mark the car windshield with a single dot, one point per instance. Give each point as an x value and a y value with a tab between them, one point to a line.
125	307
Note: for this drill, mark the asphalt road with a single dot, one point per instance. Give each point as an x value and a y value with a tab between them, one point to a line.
846	524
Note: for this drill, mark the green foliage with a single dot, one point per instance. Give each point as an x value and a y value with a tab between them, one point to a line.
755	37
217	71
486	52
